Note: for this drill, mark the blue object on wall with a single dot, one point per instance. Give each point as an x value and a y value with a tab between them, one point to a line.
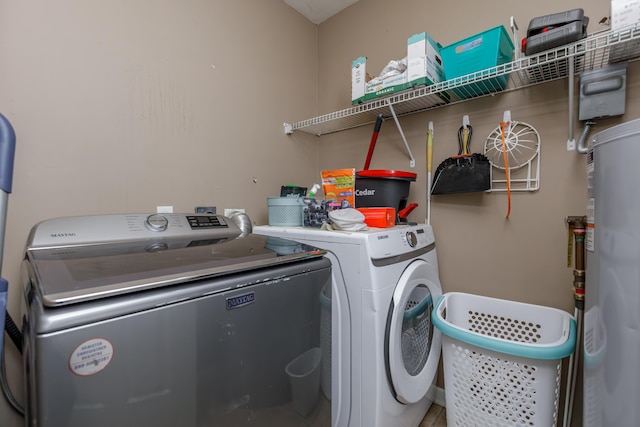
7	152
4	285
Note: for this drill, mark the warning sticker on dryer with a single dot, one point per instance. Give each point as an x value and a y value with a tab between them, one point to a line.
91	357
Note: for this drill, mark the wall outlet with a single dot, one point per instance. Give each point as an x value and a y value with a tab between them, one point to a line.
164	209
205	209
228	212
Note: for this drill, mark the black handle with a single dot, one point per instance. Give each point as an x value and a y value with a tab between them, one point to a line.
378	125
462	148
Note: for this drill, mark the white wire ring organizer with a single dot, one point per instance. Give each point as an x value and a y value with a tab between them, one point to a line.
522	146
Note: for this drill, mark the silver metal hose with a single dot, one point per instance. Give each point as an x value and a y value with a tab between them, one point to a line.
582	144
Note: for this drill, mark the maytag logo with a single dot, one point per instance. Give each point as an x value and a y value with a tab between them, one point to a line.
240	301
63	234
365	192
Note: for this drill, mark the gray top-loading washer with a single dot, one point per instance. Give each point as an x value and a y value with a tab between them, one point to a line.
165	320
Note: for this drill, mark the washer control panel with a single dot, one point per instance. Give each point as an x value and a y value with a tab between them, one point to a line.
156	222
206	221
112	228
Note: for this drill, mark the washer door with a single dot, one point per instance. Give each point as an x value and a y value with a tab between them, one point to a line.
412	343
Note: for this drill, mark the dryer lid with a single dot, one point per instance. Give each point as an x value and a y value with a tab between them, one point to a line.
72	273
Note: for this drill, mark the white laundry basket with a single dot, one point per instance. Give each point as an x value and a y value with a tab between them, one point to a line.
502	360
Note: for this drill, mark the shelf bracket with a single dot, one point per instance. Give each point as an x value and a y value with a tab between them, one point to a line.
288	128
412	161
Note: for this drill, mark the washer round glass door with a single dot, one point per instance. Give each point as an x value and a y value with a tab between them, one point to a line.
412	343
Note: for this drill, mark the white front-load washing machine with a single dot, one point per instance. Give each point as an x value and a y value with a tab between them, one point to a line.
391	282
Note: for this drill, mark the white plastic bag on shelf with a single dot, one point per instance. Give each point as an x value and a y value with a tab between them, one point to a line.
393	68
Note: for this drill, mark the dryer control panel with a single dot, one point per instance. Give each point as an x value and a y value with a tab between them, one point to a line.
400	240
412	238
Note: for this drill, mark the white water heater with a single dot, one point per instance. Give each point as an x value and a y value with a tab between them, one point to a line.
612	309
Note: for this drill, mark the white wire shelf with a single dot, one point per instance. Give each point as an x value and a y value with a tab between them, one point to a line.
595	51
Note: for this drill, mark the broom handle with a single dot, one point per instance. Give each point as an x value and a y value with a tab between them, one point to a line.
429	168
374	138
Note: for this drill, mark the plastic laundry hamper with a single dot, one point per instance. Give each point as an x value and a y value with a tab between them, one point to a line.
502	360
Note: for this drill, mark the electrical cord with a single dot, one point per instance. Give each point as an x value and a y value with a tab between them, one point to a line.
6	390
16	337
13	331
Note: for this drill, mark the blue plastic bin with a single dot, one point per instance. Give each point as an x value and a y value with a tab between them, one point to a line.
479	52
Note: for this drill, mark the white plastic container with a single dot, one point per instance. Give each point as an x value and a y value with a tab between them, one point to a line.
285	211
502	360
304	378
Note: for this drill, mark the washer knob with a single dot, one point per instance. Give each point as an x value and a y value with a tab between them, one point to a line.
157	247
156	222
412	239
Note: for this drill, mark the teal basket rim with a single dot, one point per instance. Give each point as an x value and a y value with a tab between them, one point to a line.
500	28
418	309
530	351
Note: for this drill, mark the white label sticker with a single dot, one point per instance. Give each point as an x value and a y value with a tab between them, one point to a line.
91	357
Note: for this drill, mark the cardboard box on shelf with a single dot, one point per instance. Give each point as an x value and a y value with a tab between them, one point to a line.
359	79
624	13
424	63
365	88
387	86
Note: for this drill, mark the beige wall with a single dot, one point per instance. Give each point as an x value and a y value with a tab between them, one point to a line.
123	106
521	258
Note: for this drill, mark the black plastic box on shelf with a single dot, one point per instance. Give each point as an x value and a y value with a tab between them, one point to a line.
549	31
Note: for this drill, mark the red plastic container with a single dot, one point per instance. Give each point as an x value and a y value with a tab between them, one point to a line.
379	217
